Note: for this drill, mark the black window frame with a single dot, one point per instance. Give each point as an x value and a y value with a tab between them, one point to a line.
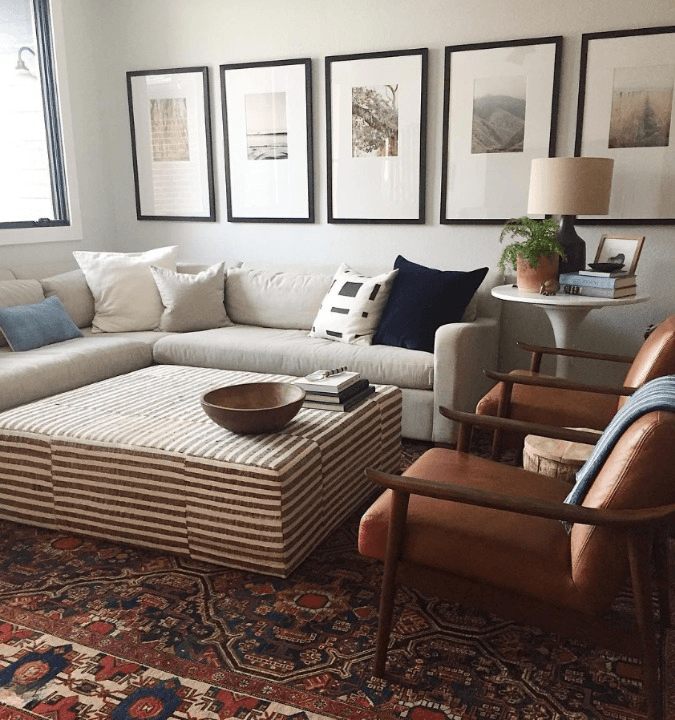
52	119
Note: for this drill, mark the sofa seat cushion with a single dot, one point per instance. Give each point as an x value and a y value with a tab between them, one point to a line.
67	365
293	352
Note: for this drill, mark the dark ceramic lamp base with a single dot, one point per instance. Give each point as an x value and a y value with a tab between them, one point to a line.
572	244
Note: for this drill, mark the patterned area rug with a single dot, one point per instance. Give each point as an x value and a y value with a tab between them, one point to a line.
92	629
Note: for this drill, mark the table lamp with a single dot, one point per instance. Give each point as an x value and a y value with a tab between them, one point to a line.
569	187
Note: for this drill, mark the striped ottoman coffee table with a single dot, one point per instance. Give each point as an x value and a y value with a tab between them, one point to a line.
135	459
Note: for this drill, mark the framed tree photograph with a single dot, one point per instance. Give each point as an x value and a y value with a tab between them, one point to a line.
499	113
170	118
376	135
625	112
267	120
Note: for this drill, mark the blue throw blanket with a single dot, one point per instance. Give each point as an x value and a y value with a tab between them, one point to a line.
657	394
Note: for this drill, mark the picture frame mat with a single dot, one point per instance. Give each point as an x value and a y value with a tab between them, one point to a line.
371	189
271	190
653	167
473	185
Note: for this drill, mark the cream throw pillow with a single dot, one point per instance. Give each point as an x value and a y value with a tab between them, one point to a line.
192	302
353	306
126	297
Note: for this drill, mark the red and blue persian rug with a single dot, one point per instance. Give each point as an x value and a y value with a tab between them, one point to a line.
92	629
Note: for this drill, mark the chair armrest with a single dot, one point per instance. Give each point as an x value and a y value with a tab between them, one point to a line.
525	428
556	382
571	352
657	516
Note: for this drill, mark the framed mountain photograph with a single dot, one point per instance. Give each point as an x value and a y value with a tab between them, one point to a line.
267	121
499	113
376	134
625	112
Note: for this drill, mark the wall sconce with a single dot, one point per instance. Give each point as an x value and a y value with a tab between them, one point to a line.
21	64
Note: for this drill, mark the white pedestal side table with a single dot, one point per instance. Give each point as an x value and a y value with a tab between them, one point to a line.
565	313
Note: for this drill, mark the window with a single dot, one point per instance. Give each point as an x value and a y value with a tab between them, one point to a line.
33	189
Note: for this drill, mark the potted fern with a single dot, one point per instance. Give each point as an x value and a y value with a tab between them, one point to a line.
534	253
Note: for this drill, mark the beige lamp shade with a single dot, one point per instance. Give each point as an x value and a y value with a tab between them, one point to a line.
570	186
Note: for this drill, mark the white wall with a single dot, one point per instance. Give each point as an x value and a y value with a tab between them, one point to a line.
105	39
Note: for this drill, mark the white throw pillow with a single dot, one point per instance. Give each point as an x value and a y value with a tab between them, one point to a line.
192	301
126	297
352	307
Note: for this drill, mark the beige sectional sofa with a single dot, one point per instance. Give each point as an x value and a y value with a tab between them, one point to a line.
272	307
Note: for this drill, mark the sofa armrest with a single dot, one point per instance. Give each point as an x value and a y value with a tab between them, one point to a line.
461	352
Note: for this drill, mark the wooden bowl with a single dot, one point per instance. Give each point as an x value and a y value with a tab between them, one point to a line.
253	407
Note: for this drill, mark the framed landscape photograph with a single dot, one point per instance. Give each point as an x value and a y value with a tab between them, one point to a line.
625	112
620	249
376	134
499	113
267	120
170	119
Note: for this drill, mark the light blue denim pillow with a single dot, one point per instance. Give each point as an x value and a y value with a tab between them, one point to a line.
26	327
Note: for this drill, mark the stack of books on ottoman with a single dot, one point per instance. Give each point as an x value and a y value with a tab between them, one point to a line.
339	390
592	283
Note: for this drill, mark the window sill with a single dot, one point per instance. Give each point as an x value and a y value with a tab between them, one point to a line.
24	236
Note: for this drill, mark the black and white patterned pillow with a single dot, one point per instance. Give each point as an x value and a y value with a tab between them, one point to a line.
352	307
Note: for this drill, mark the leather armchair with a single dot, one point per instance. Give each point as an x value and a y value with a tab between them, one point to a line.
490	536
530	396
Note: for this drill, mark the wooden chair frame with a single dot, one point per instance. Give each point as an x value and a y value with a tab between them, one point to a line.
508	380
646	536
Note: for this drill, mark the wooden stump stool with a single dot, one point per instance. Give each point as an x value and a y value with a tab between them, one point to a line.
556	458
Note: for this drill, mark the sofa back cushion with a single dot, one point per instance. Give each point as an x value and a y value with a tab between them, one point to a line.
19	292
274	299
72	290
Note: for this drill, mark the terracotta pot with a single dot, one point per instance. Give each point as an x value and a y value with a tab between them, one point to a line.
530	279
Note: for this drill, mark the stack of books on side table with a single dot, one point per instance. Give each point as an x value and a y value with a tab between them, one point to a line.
592	283
339	392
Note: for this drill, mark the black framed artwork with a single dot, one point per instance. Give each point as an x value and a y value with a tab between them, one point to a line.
499	113
625	112
170	119
267	121
376	114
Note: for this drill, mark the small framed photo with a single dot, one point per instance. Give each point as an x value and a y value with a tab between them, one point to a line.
499	113
620	249
170	118
267	121
625	112
376	135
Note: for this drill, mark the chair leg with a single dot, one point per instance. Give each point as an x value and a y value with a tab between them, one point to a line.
503	410
640	552
662	577
398	513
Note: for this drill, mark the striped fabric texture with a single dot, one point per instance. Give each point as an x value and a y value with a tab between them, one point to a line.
134	458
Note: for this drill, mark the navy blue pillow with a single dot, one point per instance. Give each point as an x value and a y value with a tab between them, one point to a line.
26	327
421	300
